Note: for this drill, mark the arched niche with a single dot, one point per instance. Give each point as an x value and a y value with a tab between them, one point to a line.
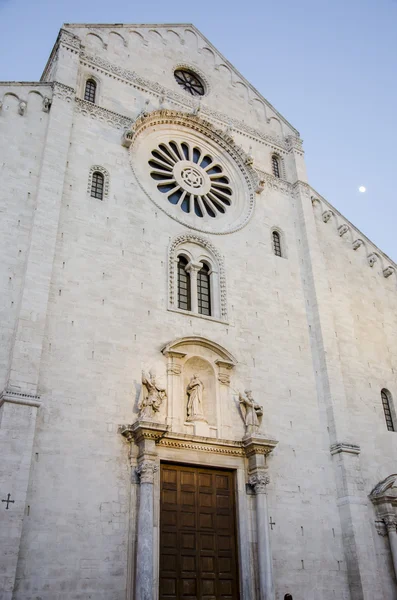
213	365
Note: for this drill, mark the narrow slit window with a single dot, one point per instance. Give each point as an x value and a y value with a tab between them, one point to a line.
276	166
276	243
90	91
386	408
97	185
203	291
184	301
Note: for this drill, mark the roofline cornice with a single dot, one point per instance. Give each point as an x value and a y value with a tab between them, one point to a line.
198	32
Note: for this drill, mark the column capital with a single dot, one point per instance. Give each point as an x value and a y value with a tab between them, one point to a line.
390	522
193	267
146	470
259	481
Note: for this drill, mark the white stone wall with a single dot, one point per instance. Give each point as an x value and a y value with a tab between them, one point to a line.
21	146
363	305
107	319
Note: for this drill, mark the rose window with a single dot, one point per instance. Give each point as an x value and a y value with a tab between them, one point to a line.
191	179
190	82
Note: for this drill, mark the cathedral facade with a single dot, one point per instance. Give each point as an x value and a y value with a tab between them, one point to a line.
198	365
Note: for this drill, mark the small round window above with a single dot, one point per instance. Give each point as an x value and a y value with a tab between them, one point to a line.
190	82
191	178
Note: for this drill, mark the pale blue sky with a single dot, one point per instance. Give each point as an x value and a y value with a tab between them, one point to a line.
328	66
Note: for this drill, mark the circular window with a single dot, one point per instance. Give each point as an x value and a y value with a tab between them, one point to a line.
190	82
191	178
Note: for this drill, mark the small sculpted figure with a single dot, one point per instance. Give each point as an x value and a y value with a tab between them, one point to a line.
195	400
251	411
152	397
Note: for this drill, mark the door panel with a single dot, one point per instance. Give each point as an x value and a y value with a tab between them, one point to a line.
198	554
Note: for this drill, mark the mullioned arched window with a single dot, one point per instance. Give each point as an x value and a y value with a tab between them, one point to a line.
90	91
196	277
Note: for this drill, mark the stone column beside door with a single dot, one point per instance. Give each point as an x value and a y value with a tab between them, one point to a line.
257	447
144	434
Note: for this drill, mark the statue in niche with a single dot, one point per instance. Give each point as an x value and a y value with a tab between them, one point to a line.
152	397
195	400
251	411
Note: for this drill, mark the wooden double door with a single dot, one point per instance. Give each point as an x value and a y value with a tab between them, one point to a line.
198	550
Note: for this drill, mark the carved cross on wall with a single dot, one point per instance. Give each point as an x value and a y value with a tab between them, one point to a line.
8	501
271	523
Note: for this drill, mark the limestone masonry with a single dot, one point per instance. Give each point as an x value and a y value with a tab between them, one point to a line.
198	358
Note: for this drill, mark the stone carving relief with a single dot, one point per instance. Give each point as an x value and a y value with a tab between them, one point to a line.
64	92
251	412
372	258
46	104
388	271
200	401
102	114
22	107
194	409
152	397
137	81
357	244
373	253
259	481
342	230
146	471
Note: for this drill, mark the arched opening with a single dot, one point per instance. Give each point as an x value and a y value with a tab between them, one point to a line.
204	290
276	165
387	409
90	91
184	292
276	237
97	185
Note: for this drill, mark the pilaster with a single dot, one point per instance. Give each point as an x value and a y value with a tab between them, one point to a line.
351	498
25	356
17	426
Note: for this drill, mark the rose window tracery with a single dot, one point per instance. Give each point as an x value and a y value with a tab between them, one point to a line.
191	178
190	82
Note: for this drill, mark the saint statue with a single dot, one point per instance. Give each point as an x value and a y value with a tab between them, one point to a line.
195	400
251	411
152	396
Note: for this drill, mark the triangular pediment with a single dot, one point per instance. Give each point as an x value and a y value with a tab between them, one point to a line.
188	36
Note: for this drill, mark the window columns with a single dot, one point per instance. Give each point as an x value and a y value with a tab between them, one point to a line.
214	293
193	268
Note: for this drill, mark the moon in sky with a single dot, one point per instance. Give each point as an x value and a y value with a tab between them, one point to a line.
362	189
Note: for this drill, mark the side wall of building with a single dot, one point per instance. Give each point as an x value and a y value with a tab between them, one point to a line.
23	125
364	307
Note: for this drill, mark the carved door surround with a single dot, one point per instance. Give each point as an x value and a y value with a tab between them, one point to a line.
384	498
214	364
152	444
212	443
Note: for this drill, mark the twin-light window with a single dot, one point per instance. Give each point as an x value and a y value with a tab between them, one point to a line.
194	287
